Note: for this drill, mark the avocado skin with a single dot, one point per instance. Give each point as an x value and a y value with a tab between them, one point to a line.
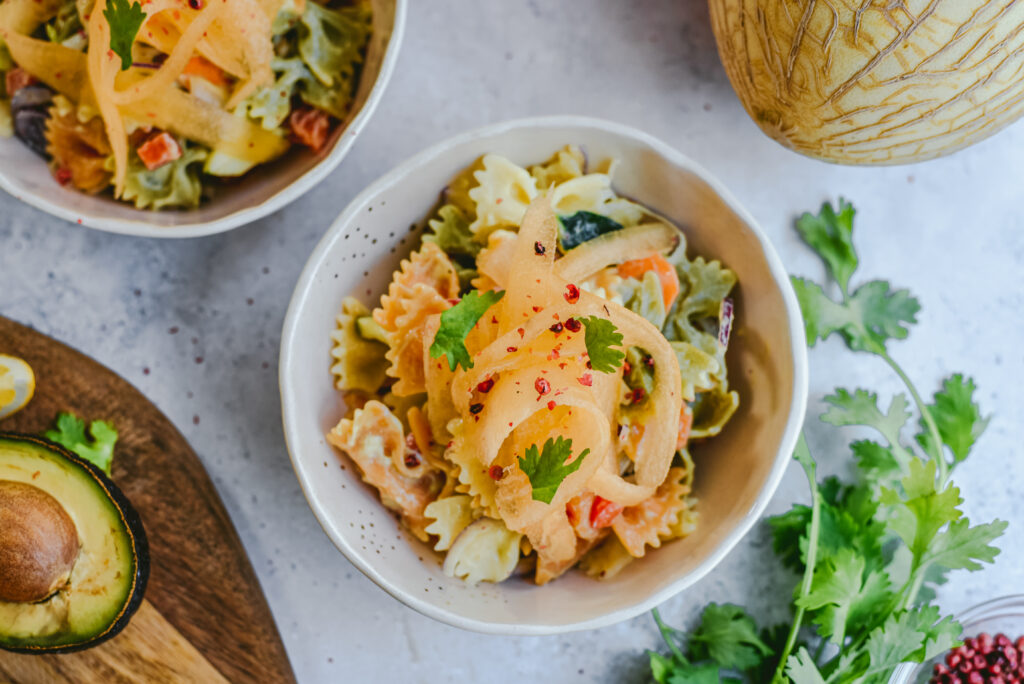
140	545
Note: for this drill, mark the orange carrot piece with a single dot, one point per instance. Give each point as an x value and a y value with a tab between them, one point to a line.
159	150
665	271
205	69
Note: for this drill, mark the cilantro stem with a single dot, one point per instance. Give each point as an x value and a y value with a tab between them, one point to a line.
666	636
803	456
926	416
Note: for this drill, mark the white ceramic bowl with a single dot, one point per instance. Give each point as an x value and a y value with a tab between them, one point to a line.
25	175
737	472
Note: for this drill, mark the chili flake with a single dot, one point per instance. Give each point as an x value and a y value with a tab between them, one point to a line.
476	408
572	293
485	386
572	325
538	248
496	472
542	386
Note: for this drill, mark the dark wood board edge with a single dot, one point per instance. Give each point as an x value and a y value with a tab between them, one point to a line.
201	579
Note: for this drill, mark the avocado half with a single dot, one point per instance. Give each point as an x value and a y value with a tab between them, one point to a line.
74	559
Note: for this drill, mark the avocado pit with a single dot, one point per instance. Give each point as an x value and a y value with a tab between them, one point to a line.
38	543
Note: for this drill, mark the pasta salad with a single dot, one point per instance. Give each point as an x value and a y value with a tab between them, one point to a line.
525	394
159	101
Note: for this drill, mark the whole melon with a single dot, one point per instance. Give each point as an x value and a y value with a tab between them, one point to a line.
874	81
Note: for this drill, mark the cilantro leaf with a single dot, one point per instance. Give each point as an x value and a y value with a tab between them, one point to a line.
922	511
920	514
861	408
957	416
789	532
867	319
908	635
705	673
876	462
97	448
456	323
961	547
801	668
600	337
661	667
125	21
845	594
727	636
940	635
547	468
830	234
822	316
880	313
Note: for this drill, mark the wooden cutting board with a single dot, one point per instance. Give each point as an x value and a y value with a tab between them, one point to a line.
204	618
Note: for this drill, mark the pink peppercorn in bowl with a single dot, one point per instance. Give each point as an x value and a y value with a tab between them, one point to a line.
992	650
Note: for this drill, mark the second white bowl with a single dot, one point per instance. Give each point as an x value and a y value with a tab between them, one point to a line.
262	191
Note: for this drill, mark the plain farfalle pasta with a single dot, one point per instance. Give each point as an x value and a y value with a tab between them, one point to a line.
548	353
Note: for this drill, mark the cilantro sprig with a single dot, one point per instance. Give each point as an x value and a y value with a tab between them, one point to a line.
547	467
870	552
601	337
97	447
456	322
125	20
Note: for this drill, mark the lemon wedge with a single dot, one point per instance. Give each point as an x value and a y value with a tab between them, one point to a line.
17	384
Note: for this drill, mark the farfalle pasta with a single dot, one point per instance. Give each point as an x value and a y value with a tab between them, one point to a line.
545	356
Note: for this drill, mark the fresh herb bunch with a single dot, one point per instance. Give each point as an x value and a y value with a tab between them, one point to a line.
869	552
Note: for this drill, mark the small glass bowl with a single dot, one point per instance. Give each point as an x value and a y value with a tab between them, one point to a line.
1005	614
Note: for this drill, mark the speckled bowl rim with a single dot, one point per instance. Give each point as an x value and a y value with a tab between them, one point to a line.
408	169
298	187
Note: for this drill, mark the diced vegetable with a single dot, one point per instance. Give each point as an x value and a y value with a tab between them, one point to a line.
224	165
603	512
725	316
584	226
685	425
159	150
205	69
16	79
666	272
310	127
